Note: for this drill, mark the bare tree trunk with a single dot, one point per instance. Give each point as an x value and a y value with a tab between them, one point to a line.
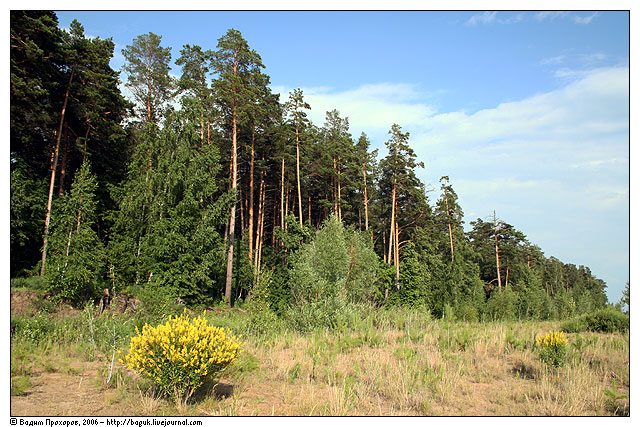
53	173
282	196
273	229
286	204
446	199
384	244
234	183
339	197
253	138
397	258
63	164
366	200
259	237
262	204
393	218
495	225
335	186
298	176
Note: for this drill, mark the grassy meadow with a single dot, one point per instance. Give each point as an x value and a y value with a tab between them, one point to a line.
385	362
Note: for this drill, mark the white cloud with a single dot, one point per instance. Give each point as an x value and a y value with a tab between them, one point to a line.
373	106
554	60
541	16
486	18
482	18
584	19
552	15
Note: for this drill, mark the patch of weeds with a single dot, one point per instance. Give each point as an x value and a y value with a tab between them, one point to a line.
445	340
35	328
464	339
294	372
48	366
415	334
372	337
512	343
523	371
20	385
431	377
578	343
244	364
405	353
617	344
425	407
613	404
347	342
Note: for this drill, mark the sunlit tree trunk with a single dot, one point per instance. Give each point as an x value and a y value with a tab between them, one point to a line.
234	184
54	167
251	196
497	251
298	175
446	198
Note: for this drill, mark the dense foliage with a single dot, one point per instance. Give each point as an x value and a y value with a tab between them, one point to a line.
209	188
179	354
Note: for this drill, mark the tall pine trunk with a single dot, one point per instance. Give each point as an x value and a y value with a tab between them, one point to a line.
298	175
54	167
393	219
234	184
495	225
446	199
250	208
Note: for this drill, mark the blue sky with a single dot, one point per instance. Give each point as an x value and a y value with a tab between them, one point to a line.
526	112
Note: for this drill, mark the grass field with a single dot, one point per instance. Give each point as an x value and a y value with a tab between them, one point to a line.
390	362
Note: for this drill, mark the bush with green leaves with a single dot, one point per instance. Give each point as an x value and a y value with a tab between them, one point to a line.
552	348
34	283
502	305
76	256
337	268
605	320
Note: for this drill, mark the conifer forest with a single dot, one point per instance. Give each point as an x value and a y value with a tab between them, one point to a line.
189	242
211	188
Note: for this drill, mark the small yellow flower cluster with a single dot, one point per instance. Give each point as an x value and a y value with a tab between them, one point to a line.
180	353
551	339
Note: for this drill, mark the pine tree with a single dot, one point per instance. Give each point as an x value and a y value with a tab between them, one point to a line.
402	192
139	197
147	68
235	63
296	107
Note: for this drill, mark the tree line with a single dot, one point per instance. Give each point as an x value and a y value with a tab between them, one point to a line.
210	187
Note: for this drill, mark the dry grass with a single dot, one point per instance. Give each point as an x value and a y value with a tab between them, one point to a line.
411	367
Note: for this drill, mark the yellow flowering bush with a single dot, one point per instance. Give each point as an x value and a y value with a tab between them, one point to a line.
179	354
552	348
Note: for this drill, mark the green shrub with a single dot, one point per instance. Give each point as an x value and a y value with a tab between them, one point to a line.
467	312
262	321
333	271
34	283
34	329
605	320
19	385
180	354
502	305
575	325
552	348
